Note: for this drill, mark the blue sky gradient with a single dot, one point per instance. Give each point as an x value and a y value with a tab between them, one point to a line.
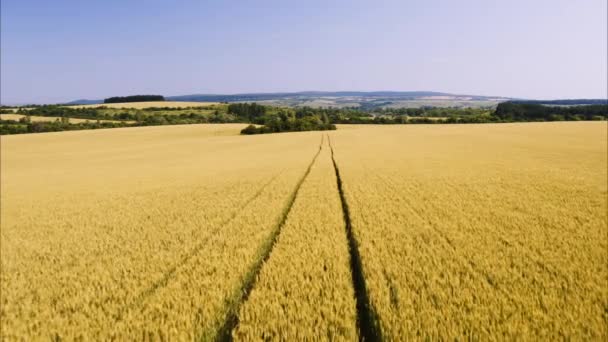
55	51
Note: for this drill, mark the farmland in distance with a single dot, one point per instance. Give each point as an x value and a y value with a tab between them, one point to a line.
149	104
495	231
34	118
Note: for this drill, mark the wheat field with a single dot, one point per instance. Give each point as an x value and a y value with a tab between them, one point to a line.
484	232
310	263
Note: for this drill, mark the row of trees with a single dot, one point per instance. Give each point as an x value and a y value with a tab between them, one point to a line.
284	124
403	119
567	102
134	98
25	125
61	111
251	112
505	112
140	115
259	114
274	119
436	111
514	111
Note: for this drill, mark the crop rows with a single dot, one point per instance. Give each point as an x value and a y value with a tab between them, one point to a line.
304	291
90	262
460	242
77	262
478	232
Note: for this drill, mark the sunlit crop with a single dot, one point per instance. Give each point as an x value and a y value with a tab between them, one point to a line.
304	291
481	232
98	227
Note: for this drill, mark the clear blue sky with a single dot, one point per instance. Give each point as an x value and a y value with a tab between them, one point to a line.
60	50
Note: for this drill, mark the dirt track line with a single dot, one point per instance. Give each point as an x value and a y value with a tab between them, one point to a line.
242	294
366	318
164	280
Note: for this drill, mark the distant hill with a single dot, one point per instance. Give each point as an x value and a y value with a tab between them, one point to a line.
566	102
83	102
357	99
304	94
363	99
340	99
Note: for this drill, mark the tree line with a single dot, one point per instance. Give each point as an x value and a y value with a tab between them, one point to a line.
25	125
518	111
271	119
567	102
287	122
134	98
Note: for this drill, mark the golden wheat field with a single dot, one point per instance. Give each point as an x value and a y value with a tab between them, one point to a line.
415	232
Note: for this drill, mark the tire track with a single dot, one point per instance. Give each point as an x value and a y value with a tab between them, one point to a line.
242	293
164	280
367	321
